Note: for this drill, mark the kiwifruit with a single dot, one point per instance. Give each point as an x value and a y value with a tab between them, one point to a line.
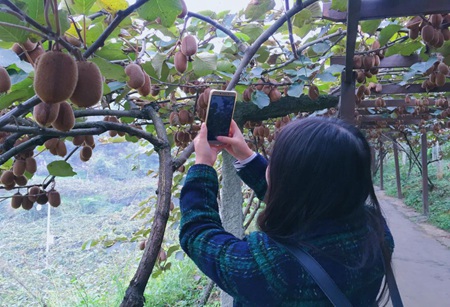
367	91
65	119
413	33
89	89
313	92
135	74
436	20
19	167
27	204
61	149
247	95
440	39
85	153
16	200
78	140
56	76
266	89
414	22
45	113
20	180
72	40
202	101
440	79
51	143
183	115
33	56
30	165
89	140
357	61
189	45
446	33
146	88
155	90
360	91
201	113
5	80
33	193
142	245
432	78
274	95
376	61
260	84
360	76
174	119
184	9
368	61
7	178
180	61
112	133
428	33
375	45
443	68
54	198
162	255
42	198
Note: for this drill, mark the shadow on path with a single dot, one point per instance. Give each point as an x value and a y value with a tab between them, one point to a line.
421	255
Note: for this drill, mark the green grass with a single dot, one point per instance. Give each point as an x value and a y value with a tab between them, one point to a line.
439	197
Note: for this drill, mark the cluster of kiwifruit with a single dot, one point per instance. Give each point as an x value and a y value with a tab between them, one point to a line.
5	80
35	194
434	30
87	144
365	90
113	119
366	65
138	79
188	48
437	75
202	102
184	136
269	87
183	117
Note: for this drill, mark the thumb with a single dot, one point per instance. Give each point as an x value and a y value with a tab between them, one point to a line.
226	140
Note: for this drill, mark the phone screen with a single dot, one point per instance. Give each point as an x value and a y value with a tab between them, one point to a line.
220	113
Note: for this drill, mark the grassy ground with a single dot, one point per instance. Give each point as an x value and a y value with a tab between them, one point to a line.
439	196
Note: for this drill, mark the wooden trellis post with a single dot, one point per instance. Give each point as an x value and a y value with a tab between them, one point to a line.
397	170
380	155
424	148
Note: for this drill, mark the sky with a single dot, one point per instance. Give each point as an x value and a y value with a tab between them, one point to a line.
219	5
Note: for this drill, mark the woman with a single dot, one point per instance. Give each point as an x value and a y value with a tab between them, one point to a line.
319	195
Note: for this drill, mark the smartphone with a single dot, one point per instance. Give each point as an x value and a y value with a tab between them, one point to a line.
219	114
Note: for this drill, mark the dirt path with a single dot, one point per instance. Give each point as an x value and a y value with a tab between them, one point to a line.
421	256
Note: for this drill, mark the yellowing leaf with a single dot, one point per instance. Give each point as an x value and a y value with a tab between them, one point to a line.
112	6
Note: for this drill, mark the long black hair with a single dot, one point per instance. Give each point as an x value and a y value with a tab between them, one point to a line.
320	169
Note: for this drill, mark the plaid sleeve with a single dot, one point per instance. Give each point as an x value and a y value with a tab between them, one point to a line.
225	259
254	175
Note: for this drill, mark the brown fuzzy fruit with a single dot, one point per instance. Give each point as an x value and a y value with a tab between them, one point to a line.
19	167
89	89
16	200
7	178
368	61
357	61
56	76
247	95
428	33
33	193
313	92
72	40
414	22
189	45
443	68
85	153
440	79
27	204
436	20
136	75
274	95
413	33
46	113
446	34
61	149
54	199
65	119
183	115
5	80
142	245
174	119
180	61
146	88
155	90
42	198
78	140
20	180
51	143
89	140
31	165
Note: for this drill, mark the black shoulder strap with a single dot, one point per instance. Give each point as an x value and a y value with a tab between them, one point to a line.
392	285
323	280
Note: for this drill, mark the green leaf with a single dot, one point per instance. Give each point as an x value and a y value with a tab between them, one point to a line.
10	34
60	168
8	57
295	90
166	10
260	99
19	92
255	11
320	48
81	7
370	26
253	31
387	33
35	9
112	52
302	18
204	63
339	5
110	71
404	49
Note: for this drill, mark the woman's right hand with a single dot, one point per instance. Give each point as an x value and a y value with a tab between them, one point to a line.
235	144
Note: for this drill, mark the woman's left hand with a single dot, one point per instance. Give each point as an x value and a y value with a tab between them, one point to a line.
205	153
